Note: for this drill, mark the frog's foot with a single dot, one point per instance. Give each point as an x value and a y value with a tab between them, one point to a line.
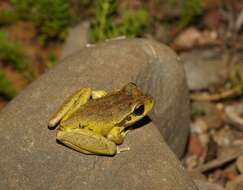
87	142
124	133
124	149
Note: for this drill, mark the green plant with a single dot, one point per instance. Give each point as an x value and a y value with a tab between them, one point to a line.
7	17
104	27
132	24
51	18
52	60
191	9
6	88
12	53
23	8
197	111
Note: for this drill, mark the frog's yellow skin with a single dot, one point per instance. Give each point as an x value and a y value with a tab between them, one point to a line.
94	122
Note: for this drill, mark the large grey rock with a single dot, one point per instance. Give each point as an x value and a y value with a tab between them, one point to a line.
77	38
31	158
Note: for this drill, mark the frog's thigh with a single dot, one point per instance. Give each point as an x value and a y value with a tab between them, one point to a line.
71	104
117	135
86	141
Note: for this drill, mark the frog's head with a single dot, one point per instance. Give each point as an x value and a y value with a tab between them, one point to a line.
140	104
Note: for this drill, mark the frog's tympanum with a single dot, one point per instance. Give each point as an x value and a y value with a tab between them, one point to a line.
95	122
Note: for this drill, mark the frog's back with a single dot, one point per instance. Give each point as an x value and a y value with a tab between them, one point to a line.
111	108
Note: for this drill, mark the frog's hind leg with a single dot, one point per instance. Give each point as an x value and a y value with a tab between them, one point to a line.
87	142
78	99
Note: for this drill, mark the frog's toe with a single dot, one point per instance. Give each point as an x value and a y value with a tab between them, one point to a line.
124	149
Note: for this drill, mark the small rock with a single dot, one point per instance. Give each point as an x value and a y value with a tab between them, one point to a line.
230	174
204	138
211	114
204	69
234	115
195	146
191	162
199	126
236	184
239	164
223	137
197	175
192	37
202	185
215	176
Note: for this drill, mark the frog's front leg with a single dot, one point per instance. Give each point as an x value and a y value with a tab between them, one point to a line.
87	142
117	135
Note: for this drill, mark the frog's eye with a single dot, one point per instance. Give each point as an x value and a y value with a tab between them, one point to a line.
139	110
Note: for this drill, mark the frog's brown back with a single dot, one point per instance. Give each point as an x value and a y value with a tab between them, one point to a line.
111	108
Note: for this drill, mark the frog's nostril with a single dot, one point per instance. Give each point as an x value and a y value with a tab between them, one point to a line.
129	118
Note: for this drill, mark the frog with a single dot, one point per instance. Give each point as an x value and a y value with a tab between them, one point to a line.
96	122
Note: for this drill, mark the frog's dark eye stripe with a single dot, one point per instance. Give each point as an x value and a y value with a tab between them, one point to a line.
139	110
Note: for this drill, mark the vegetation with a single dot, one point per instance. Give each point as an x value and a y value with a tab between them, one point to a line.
191	9
24	8
52	60
134	23
51	18
6	87
7	17
105	26
12	53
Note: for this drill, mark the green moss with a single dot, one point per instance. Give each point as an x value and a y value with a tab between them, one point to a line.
52	60
191	9
24	8
197	111
106	26
6	88
134	22
11	53
51	18
103	27
7	17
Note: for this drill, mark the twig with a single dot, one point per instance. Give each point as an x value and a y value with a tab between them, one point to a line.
217	96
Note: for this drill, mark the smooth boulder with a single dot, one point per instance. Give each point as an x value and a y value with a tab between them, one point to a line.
32	159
